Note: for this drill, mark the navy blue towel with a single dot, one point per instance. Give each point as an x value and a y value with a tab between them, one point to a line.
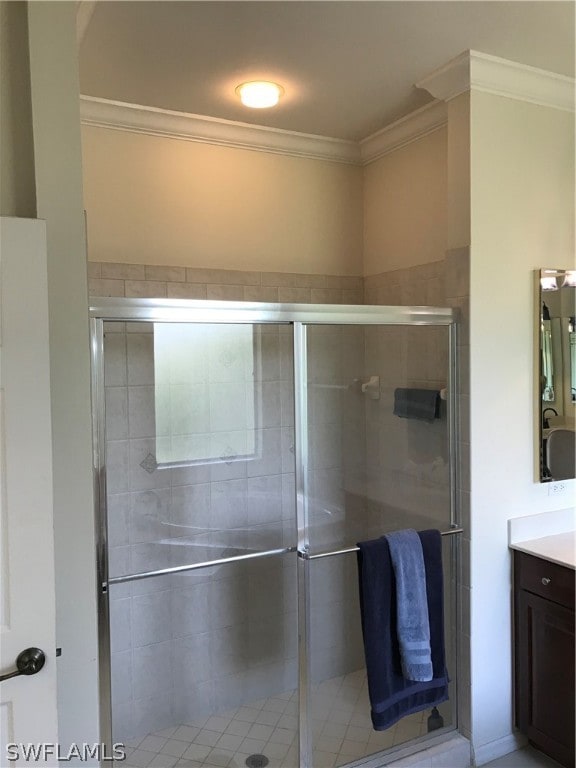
392	697
421	404
412	623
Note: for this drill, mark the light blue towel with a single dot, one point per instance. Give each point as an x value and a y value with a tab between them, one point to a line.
413	626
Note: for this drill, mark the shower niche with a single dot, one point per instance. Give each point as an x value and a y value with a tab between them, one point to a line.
241	452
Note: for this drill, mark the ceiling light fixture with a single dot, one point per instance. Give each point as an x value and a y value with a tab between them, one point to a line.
259	94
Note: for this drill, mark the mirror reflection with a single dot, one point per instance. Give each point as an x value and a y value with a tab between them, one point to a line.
557	366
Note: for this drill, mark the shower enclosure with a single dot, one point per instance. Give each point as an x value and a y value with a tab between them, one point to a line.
241	451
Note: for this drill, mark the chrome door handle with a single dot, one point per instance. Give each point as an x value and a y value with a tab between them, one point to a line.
29	662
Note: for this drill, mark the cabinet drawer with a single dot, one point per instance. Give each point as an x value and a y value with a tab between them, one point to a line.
549	580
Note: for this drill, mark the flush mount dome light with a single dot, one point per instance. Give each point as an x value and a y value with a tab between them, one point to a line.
259	94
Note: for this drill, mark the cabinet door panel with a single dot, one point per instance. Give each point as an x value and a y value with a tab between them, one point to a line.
545	675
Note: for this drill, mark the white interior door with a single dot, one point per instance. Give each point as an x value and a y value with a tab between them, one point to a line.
27	604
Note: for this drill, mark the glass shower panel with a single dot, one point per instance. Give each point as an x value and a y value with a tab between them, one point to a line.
200	468
370	471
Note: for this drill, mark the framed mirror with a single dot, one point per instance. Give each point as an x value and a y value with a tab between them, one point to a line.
556	378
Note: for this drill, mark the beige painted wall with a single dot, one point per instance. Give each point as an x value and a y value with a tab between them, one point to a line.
458	172
58	176
152	200
522	218
17	194
405	206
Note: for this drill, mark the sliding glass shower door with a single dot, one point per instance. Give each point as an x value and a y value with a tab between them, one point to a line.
242	451
199	422
369	471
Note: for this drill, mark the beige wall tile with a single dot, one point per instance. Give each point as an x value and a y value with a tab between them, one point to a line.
441	269
294	295
413	291
123	271
334	281
326	296
464	370
465	555
293	280
222	276
435	294
425	271
351	283
94	269
354	296
389	294
415	286
458	272
464	410
168	274
260	293
344	282
100	287
464	467
387	278
197	275
370	294
145	289
225	292
185	291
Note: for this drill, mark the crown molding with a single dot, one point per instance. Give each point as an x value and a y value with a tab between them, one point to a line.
501	77
449	80
134	118
166	123
410	128
84	12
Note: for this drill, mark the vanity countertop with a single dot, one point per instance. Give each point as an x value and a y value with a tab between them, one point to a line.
559	548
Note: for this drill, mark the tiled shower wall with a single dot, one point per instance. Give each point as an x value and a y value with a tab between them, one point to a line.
408	480
408	460
336	411
143	281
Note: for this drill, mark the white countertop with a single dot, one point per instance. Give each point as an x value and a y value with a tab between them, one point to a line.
559	548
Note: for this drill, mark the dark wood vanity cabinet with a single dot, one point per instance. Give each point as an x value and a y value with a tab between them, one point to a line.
544	655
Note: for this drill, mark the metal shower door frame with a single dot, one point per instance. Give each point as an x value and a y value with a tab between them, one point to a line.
299	316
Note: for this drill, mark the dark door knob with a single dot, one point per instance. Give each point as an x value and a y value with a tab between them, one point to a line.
28	662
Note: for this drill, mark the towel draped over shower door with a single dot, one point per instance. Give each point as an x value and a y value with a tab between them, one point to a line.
392	697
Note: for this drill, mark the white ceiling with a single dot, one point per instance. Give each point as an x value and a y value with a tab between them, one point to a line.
348	68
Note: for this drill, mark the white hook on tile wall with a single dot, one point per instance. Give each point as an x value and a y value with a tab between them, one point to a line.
371	388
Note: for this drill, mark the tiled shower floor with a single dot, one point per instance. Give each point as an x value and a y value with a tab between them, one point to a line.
342	732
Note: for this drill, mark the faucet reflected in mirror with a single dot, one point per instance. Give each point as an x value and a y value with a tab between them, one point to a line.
545	420
556	360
